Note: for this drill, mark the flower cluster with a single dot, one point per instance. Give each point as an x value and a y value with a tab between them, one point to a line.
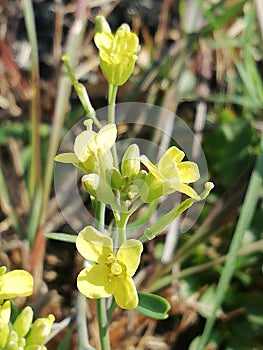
92	154
108	274
22	334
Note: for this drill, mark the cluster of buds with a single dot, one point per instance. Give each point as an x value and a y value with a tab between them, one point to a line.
23	333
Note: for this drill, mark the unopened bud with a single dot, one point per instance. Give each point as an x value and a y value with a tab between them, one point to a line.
23	322
130	165
40	330
101	25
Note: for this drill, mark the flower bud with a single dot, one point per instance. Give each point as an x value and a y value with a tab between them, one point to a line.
101	25
130	165
23	322
4	331
5	311
114	177
40	330
90	183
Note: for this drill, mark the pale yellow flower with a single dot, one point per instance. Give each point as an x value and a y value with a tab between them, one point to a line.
170	174
109	274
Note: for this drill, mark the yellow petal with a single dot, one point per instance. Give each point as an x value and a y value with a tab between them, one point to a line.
172	155
94	282
67	158
93	245
5	311
189	191
129	254
84	145
151	167
125	293
126	42
103	40
188	172
106	137
16	283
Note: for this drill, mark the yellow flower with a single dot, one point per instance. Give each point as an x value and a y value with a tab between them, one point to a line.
92	150
15	283
109	274
169	175
118	53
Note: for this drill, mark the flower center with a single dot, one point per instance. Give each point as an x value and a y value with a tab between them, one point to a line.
116	268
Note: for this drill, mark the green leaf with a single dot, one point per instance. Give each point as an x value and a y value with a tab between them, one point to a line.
153	306
64	237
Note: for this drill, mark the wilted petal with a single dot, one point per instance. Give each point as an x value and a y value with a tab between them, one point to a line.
126	294
129	254
94	282
16	283
92	244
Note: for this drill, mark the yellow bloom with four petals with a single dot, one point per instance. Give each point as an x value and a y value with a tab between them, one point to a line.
169	175
109	274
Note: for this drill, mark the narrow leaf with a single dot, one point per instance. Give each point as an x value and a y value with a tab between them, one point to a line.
64	237
153	306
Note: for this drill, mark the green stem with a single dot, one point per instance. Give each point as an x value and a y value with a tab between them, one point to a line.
103	324
81	92
121	225
83	343
35	108
112	93
246	216
101	303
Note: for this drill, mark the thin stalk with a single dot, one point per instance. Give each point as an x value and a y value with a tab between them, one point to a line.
64	89
103	324
112	94
121	225
83	343
245	218
101	303
35	108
